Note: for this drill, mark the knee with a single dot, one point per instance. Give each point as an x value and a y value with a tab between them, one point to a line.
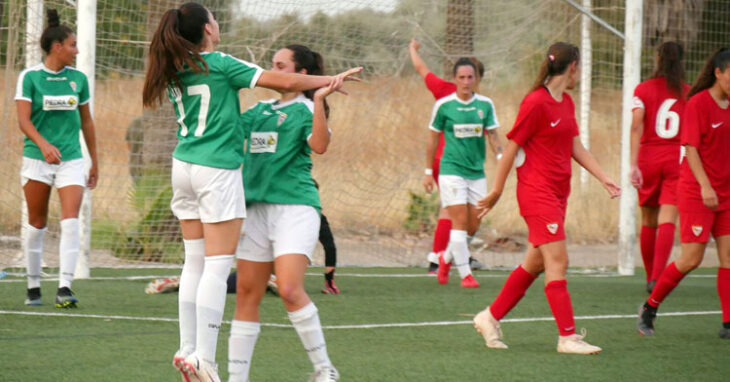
290	293
38	222
686	265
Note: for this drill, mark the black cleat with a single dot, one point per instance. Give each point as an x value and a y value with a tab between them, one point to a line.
65	298
33	297
645	322
650	286
433	267
475	264
724	333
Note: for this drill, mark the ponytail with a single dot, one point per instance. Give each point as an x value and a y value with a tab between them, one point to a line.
175	47
559	56
54	32
706	79
313	63
669	65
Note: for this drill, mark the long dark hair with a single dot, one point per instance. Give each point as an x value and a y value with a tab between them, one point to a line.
305	58
669	65
719	60
179	34
54	32
559	56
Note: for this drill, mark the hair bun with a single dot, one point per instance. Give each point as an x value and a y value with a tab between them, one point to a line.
53	20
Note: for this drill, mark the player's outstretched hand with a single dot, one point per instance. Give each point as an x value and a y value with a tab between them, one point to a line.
414	45
428	183
487	203
613	189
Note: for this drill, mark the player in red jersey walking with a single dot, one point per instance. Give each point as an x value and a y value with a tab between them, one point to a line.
542	143
704	189
655	153
441	88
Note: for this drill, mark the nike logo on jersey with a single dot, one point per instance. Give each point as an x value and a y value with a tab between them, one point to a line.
716	125
553	124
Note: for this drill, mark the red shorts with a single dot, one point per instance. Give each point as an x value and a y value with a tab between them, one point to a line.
659	167
696	226
544	229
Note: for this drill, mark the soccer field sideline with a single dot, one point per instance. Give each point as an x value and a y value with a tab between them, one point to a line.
362	326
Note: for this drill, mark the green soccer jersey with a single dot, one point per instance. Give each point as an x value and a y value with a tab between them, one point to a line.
277	167
208	111
55	98
463	124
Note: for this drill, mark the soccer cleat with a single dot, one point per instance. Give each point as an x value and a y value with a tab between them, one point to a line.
325	374
443	271
178	362
469	282
650	286
271	286
165	285
475	264
574	344
330	287
645	322
33	297
199	370
65	298
433	268
489	328
724	333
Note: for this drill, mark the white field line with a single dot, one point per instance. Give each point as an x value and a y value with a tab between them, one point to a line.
360	326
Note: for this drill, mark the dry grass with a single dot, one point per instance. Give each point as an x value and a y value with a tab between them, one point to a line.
375	158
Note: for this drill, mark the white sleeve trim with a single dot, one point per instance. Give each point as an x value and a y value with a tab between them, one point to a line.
19	87
436	107
430	127
255	78
637	103
85	102
492	127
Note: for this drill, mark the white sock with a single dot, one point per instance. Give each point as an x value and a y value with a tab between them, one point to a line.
460	250
211	301
33	248
240	349
189	280
448	254
68	251
306	323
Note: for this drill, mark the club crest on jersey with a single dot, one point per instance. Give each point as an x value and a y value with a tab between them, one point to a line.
697	230
480	112
467	130
281	119
73	85
62	102
264	142
552	228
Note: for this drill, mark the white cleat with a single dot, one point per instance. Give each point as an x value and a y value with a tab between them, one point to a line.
574	344
199	370
489	328
325	374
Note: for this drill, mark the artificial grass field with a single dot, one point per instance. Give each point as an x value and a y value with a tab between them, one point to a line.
67	345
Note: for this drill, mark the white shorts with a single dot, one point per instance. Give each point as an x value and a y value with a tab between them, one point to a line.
455	190
208	194
68	173
273	230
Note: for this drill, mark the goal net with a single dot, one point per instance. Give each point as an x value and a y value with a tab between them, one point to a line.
370	178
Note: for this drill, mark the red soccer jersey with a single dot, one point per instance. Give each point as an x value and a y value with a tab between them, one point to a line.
663	112
544	129
707	127
440	89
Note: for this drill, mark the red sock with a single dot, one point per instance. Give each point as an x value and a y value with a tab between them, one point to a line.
669	280
559	300
723	290
441	236
514	288
648	239
662	248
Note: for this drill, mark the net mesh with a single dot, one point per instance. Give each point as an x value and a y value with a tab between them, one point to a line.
371	176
